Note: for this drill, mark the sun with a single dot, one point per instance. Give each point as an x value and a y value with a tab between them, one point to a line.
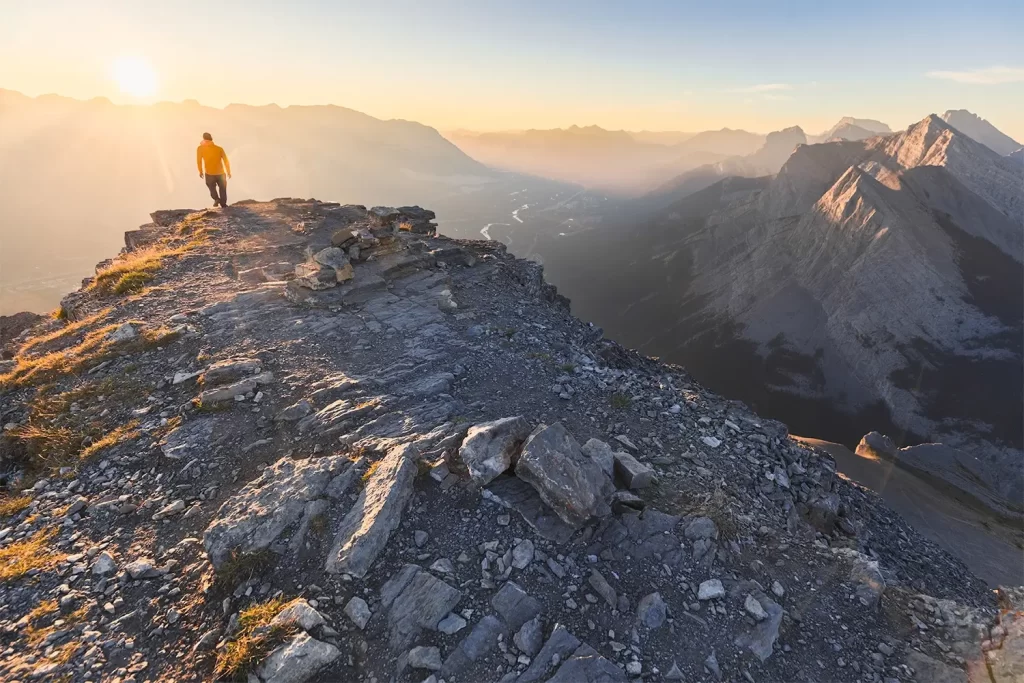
135	76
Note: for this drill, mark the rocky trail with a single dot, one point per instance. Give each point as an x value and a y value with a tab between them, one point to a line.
296	441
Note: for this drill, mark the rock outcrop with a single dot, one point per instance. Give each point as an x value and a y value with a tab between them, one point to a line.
354	501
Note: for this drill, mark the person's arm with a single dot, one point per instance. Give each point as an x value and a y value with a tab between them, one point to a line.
227	164
199	161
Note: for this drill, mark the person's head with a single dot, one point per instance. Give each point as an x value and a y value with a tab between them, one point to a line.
207	136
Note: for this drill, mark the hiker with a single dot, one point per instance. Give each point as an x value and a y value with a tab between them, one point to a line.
212	155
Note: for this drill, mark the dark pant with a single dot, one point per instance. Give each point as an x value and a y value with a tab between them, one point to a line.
213	182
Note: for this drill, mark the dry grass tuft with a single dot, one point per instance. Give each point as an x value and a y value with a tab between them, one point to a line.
125	432
17	559
254	641
243	566
47	445
35	634
12	505
370	470
64	332
95	347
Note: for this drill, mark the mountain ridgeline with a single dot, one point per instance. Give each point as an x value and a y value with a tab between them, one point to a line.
870	283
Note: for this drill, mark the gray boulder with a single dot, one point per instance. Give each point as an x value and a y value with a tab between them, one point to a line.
573	485
489	447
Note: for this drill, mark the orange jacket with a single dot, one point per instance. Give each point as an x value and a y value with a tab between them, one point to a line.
212	154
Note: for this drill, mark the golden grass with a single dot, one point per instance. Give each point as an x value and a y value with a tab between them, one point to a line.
370	470
48	445
63	332
125	432
253	642
12	505
34	633
131	271
17	559
95	347
65	653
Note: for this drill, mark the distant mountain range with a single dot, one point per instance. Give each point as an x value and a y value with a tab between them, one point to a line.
872	283
981	130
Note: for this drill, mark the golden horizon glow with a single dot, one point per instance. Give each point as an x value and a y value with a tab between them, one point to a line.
135	76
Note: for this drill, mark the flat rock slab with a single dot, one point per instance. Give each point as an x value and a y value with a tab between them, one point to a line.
515	606
297	660
573	485
415	600
515	494
482	639
587	666
376	513
560	643
264	508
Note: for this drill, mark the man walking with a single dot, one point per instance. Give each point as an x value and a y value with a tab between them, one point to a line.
216	163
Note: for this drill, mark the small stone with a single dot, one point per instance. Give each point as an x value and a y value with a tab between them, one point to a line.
652	612
530	637
104	565
711	441
443	566
634	668
711	663
358	611
422	657
452	623
710	590
420	538
522	554
778	589
754	608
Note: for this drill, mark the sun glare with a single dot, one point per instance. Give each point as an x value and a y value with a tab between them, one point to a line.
135	77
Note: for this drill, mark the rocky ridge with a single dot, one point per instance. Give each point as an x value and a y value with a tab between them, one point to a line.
380	454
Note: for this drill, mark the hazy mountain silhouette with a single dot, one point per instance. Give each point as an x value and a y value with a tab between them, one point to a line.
76	174
612	161
981	130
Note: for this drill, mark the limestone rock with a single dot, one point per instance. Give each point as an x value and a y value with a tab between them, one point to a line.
415	600
297	660
560	644
264	508
601	453
761	638
573	485
515	606
489	447
633	473
358	611
377	512
299	612
585	665
530	637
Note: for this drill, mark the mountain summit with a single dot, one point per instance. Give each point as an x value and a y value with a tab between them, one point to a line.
295	441
981	130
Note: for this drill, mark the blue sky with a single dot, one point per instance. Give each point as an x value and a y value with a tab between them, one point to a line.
490	65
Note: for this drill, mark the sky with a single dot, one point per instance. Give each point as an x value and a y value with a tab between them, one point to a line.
482	65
